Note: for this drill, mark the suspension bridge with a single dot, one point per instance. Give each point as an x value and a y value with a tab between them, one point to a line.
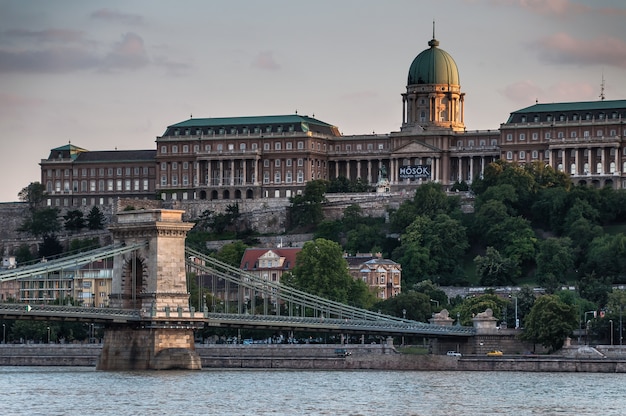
150	296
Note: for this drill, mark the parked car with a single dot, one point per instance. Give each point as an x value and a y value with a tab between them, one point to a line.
342	352
454	354
494	353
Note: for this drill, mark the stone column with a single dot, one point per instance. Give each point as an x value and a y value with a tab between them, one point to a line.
244	180
603	160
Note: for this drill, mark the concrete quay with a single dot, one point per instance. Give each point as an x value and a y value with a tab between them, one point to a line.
315	357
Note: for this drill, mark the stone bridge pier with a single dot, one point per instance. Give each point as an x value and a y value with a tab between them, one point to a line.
152	280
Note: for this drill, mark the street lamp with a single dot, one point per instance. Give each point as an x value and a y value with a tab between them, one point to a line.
435	301
48	334
4	333
611	322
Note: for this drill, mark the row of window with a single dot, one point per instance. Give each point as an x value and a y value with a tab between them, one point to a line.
481	143
561	135
230	147
57	202
234	130
575	117
84	172
560	153
102	185
216	180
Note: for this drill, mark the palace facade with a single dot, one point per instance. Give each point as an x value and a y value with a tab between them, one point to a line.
275	156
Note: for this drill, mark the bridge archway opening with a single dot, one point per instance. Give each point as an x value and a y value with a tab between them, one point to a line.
134	272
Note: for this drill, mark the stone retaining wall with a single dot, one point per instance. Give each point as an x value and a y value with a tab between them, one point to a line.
320	357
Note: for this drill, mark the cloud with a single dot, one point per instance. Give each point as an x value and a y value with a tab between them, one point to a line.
46	35
559	8
128	53
552	7
172	68
526	93
12	104
115	16
54	60
265	60
561	48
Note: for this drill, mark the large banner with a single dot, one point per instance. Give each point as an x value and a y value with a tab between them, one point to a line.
415	172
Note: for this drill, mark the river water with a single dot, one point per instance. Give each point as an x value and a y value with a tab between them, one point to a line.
84	391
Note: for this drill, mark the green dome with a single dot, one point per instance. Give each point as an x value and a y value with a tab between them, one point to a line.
433	66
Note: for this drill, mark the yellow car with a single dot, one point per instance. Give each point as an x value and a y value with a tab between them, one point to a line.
494	353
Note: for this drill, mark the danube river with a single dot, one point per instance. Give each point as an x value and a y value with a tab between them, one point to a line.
84	391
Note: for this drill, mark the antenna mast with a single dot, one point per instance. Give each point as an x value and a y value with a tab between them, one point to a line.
602	88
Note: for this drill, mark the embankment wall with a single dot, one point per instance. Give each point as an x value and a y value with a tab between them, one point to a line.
318	357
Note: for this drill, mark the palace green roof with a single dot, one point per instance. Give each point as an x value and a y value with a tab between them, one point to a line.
433	66
68	151
610	108
299	123
574	106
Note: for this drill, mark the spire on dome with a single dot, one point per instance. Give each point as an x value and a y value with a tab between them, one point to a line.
434	42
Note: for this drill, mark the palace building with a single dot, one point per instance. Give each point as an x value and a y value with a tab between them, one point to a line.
275	156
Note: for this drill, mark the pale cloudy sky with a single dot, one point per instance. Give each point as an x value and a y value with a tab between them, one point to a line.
113	74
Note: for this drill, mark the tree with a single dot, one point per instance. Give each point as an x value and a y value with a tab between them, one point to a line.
95	219
330	230
306	209
495	269
23	254
86	244
34	194
74	220
431	290
431	200
555	258
445	241
321	270
50	246
607	257
472	306
595	289
41	222
412	304
231	253
362	238
549	322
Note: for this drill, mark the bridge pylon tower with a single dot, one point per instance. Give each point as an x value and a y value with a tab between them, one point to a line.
152	280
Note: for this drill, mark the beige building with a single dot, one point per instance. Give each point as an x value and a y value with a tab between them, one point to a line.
582	139
75	177
89	285
382	276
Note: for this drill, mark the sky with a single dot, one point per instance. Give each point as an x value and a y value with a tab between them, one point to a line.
114	74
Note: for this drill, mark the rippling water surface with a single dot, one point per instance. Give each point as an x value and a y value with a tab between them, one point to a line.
82	391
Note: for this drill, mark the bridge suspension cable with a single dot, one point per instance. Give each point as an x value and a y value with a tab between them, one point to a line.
290	295
73	261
